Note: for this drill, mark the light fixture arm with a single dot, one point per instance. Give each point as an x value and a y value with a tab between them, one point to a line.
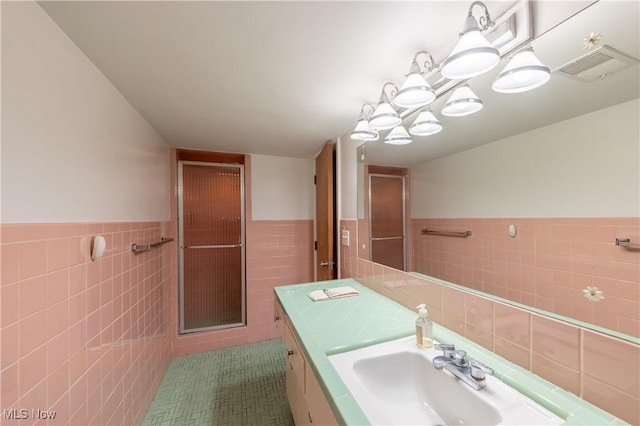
383	95
363	114
429	65
484	20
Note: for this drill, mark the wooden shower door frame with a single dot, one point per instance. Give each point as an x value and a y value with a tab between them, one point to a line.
181	246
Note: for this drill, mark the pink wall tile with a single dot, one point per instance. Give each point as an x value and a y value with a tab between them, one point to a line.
514	353
453	309
545	258
557	373
9	297
33	260
556	341
513	324
10	261
51	302
612	360
9	385
479	312
612	400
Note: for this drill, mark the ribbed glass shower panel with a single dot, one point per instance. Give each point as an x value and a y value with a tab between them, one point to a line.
211	219
386	220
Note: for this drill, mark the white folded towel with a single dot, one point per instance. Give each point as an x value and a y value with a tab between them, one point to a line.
332	293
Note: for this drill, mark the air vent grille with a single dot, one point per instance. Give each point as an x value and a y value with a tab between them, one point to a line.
597	64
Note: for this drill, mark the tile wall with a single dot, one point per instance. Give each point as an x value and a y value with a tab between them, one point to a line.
546	265
279	252
86	339
603	370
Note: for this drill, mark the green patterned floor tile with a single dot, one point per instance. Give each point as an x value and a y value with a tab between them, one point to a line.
244	385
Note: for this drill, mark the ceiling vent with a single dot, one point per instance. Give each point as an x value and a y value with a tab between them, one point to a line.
597	64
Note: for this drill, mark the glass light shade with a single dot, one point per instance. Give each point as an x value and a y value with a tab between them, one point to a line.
462	102
426	124
472	56
384	117
523	72
363	132
398	136
415	92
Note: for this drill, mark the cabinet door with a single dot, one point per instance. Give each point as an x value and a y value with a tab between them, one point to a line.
320	412
295	378
278	316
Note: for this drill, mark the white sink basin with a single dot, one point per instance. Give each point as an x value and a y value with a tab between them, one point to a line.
396	383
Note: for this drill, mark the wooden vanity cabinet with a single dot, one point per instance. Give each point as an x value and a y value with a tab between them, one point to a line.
308	404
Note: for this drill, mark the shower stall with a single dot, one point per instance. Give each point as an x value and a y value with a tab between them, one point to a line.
212	245
387	212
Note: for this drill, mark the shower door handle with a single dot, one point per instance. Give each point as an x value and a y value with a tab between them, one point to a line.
212	246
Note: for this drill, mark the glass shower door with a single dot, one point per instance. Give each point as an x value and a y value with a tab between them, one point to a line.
212	271
386	220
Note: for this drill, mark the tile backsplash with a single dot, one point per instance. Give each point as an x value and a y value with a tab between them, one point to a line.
574	358
547	265
86	339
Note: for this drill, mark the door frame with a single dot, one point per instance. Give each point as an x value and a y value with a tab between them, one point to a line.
181	247
332	226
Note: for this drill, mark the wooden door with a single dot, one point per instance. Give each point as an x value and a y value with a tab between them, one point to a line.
325	212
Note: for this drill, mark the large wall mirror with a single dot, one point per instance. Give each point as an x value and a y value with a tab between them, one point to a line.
525	199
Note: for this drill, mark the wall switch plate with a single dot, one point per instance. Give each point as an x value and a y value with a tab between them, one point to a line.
345	237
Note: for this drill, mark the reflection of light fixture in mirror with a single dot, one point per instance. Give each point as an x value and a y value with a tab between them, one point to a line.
426	124
523	72
398	136
473	54
385	117
364	132
415	91
462	102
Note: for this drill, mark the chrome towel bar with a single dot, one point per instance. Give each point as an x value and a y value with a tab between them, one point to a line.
462	234
626	242
146	247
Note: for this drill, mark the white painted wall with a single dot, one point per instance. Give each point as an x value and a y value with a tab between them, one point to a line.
588	166
347	183
73	149
282	188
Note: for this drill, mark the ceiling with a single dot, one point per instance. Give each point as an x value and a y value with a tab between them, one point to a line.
282	78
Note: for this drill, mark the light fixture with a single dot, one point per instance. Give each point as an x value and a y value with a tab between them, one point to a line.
473	54
385	117
462	102
364	132
426	124
523	72
398	136
416	92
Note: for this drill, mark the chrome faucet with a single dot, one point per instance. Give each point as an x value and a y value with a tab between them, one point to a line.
472	372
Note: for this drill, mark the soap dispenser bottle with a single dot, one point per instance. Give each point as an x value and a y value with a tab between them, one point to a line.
424	328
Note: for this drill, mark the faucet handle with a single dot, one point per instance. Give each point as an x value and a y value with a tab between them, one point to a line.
447	348
477	370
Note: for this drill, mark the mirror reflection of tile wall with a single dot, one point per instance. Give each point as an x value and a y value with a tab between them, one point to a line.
567	355
547	265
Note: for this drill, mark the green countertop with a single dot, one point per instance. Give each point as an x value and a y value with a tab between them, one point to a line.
334	326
